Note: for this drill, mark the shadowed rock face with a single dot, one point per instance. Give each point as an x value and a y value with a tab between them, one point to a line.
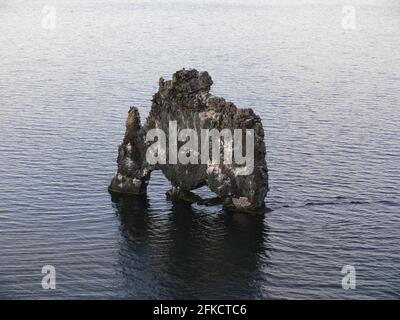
186	100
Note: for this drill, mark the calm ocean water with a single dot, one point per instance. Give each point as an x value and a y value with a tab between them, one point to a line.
329	102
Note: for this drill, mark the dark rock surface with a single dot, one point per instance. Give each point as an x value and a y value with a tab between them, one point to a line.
186	100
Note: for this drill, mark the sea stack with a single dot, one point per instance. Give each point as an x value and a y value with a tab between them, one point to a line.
185	103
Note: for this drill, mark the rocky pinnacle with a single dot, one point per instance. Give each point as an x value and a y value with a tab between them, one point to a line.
186	101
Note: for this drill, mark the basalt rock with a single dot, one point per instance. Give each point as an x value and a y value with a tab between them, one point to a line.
186	100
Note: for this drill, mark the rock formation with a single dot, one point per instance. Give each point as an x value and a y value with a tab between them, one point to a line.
186	102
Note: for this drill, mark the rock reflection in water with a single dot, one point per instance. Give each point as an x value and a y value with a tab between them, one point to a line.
203	254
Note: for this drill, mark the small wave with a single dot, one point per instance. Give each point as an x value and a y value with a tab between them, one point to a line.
341	201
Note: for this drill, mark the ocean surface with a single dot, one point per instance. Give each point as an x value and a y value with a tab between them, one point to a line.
328	95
